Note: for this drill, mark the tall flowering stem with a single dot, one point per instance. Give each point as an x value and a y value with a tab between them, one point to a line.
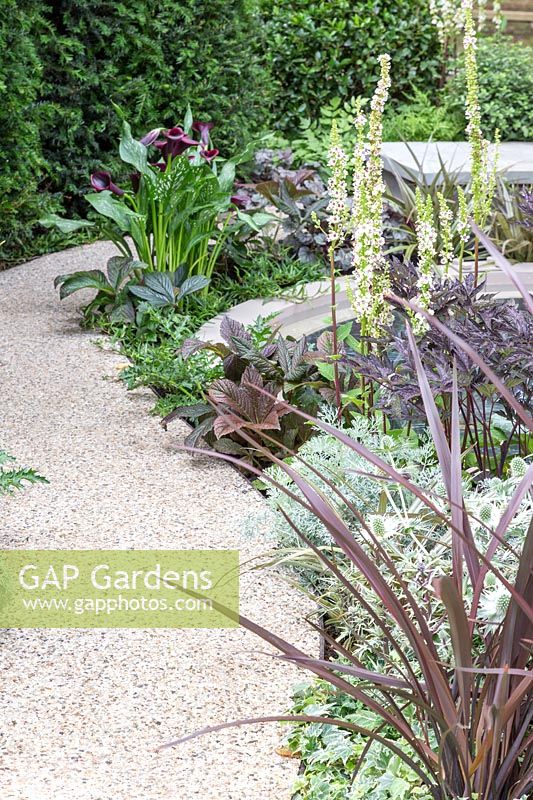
370	269
483	175
446	19
445	225
427	243
370	278
497	15
463	226
337	229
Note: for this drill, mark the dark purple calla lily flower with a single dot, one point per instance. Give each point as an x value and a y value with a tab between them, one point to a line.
175	142
135	178
183	143
174	133
209	155
101	180
203	129
150	137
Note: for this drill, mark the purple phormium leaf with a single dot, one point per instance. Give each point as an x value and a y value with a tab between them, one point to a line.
456	492
461	636
433	417
339	723
379	679
101	181
504	265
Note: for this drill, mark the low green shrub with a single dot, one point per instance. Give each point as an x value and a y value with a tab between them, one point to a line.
322	50
266	274
416	119
156	362
22	165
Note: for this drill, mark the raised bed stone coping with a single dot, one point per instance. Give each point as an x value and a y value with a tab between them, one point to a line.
309	313
515	160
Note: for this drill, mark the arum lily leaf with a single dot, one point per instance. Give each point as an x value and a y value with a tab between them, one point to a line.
187	123
133	152
64	225
226	177
108	206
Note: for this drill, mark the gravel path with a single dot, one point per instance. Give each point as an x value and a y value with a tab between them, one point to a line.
83	711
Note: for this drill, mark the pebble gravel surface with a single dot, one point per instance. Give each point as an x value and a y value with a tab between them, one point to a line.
84	711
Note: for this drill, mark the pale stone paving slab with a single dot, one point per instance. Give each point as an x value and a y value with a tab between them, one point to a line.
83	711
425	159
